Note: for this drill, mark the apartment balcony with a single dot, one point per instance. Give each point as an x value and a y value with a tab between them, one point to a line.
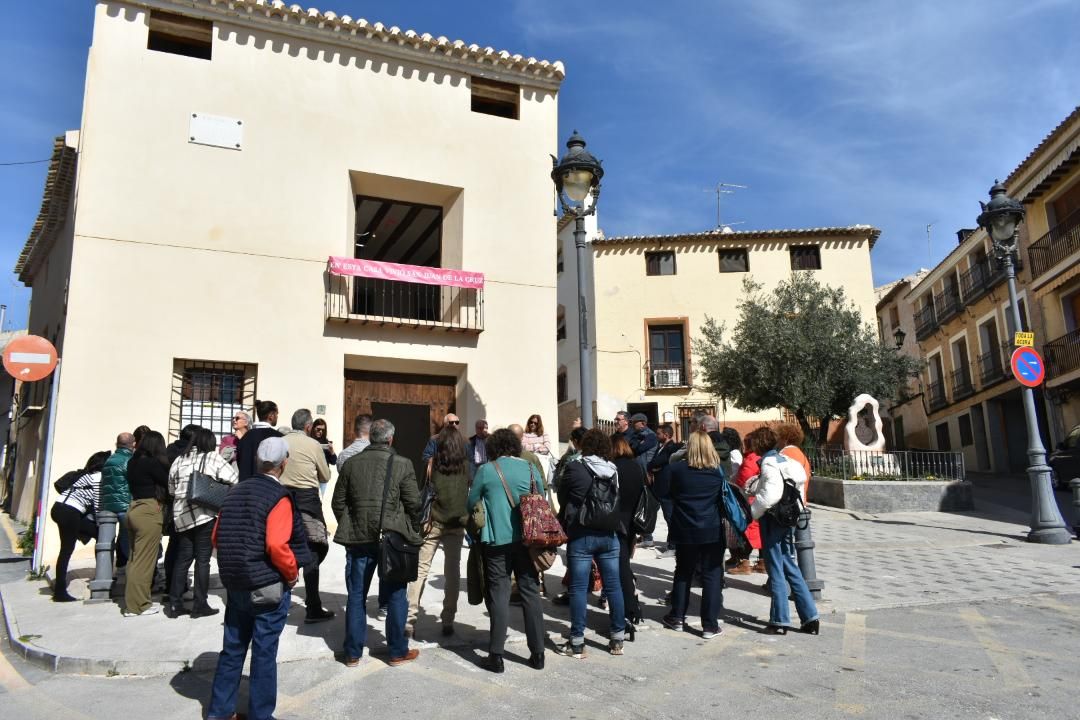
946	305
962	386
1062	355
667	375
936	393
1060	243
983	277
395	295
925	322
992	368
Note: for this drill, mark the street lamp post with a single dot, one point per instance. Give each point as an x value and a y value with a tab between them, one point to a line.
1001	218
577	180
898	337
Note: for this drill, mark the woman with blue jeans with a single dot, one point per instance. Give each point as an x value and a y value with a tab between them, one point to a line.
596	540
777	541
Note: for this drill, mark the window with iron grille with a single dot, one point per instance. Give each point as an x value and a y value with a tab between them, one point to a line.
805	257
208	394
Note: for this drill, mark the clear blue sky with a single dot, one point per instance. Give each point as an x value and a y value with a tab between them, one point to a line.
895	114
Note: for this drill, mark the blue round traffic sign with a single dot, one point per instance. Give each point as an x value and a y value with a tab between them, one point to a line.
1028	367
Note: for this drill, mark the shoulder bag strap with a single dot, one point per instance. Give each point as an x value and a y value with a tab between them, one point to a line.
532	479
509	496
386	489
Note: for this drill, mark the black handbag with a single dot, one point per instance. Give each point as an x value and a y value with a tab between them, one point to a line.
205	490
399	559
644	520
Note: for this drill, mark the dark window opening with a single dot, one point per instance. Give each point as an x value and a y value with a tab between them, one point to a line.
734	260
941	432
491	97
805	257
180	35
966	437
560	326
667	358
660	263
562	390
398	232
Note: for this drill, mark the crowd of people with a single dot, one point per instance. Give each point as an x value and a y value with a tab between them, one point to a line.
269	529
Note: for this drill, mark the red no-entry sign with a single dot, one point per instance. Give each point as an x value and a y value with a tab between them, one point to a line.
1028	367
29	358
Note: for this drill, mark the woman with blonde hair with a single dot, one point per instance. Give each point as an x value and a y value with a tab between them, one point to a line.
697	531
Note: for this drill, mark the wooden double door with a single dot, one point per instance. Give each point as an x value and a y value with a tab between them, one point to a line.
415	404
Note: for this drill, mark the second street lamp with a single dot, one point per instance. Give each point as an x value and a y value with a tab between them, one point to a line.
1001	218
577	184
899	336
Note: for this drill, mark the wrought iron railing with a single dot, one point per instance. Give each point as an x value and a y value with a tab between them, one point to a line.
901	465
946	304
925	321
992	369
404	304
1059	243
667	375
961	384
936	393
1062	354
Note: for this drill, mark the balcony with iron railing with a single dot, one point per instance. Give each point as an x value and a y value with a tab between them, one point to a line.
666	375
925	321
1062	355
992	368
1060	243
395	295
983	277
936	393
947	304
962	386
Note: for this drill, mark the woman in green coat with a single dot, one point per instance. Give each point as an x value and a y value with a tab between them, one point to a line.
500	483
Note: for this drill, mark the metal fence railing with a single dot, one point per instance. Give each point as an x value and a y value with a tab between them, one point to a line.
901	465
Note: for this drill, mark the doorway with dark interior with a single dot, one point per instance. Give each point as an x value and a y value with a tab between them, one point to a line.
411	430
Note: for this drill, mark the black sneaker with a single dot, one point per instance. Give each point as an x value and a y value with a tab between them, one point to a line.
673	623
570	650
318	616
561	599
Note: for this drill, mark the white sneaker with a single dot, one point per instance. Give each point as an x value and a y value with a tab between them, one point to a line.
154	609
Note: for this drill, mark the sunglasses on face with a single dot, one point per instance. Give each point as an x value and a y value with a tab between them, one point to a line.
454	422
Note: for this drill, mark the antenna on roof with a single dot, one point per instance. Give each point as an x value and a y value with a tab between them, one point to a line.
929	250
722	189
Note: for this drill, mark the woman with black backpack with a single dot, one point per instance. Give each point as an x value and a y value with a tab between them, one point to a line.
74	508
777	538
589	511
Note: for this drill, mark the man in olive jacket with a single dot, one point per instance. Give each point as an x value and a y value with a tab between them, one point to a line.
357	504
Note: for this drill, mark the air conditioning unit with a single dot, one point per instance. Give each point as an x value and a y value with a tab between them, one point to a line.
667	377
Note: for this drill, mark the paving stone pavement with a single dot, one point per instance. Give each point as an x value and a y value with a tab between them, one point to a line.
867	562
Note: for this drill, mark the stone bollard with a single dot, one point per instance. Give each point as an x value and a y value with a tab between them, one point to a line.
804	554
1074	484
101	585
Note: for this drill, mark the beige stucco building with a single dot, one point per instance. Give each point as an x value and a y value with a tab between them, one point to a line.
964	324
226	151
904	417
651	295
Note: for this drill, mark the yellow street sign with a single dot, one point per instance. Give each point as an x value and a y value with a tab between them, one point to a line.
1024	339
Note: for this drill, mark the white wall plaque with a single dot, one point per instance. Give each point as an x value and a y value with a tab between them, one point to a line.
216	131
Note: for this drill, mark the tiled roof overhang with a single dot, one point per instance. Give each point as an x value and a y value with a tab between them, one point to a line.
278	17
1027	187
54	210
863	231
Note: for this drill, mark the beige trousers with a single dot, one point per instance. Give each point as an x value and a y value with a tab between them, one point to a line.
450	539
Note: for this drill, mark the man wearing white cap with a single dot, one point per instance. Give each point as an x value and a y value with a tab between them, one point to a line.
261	548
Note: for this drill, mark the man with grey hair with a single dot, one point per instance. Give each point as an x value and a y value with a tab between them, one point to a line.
306	471
362	429
376	491
260	543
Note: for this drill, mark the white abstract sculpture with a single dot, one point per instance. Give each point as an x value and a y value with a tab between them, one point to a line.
866	424
864	440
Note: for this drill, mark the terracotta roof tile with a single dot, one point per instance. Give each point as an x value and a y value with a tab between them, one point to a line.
728	234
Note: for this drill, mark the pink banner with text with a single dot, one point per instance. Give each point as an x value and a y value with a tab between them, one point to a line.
357	267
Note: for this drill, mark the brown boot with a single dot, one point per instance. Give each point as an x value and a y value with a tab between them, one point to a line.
759	567
743	568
